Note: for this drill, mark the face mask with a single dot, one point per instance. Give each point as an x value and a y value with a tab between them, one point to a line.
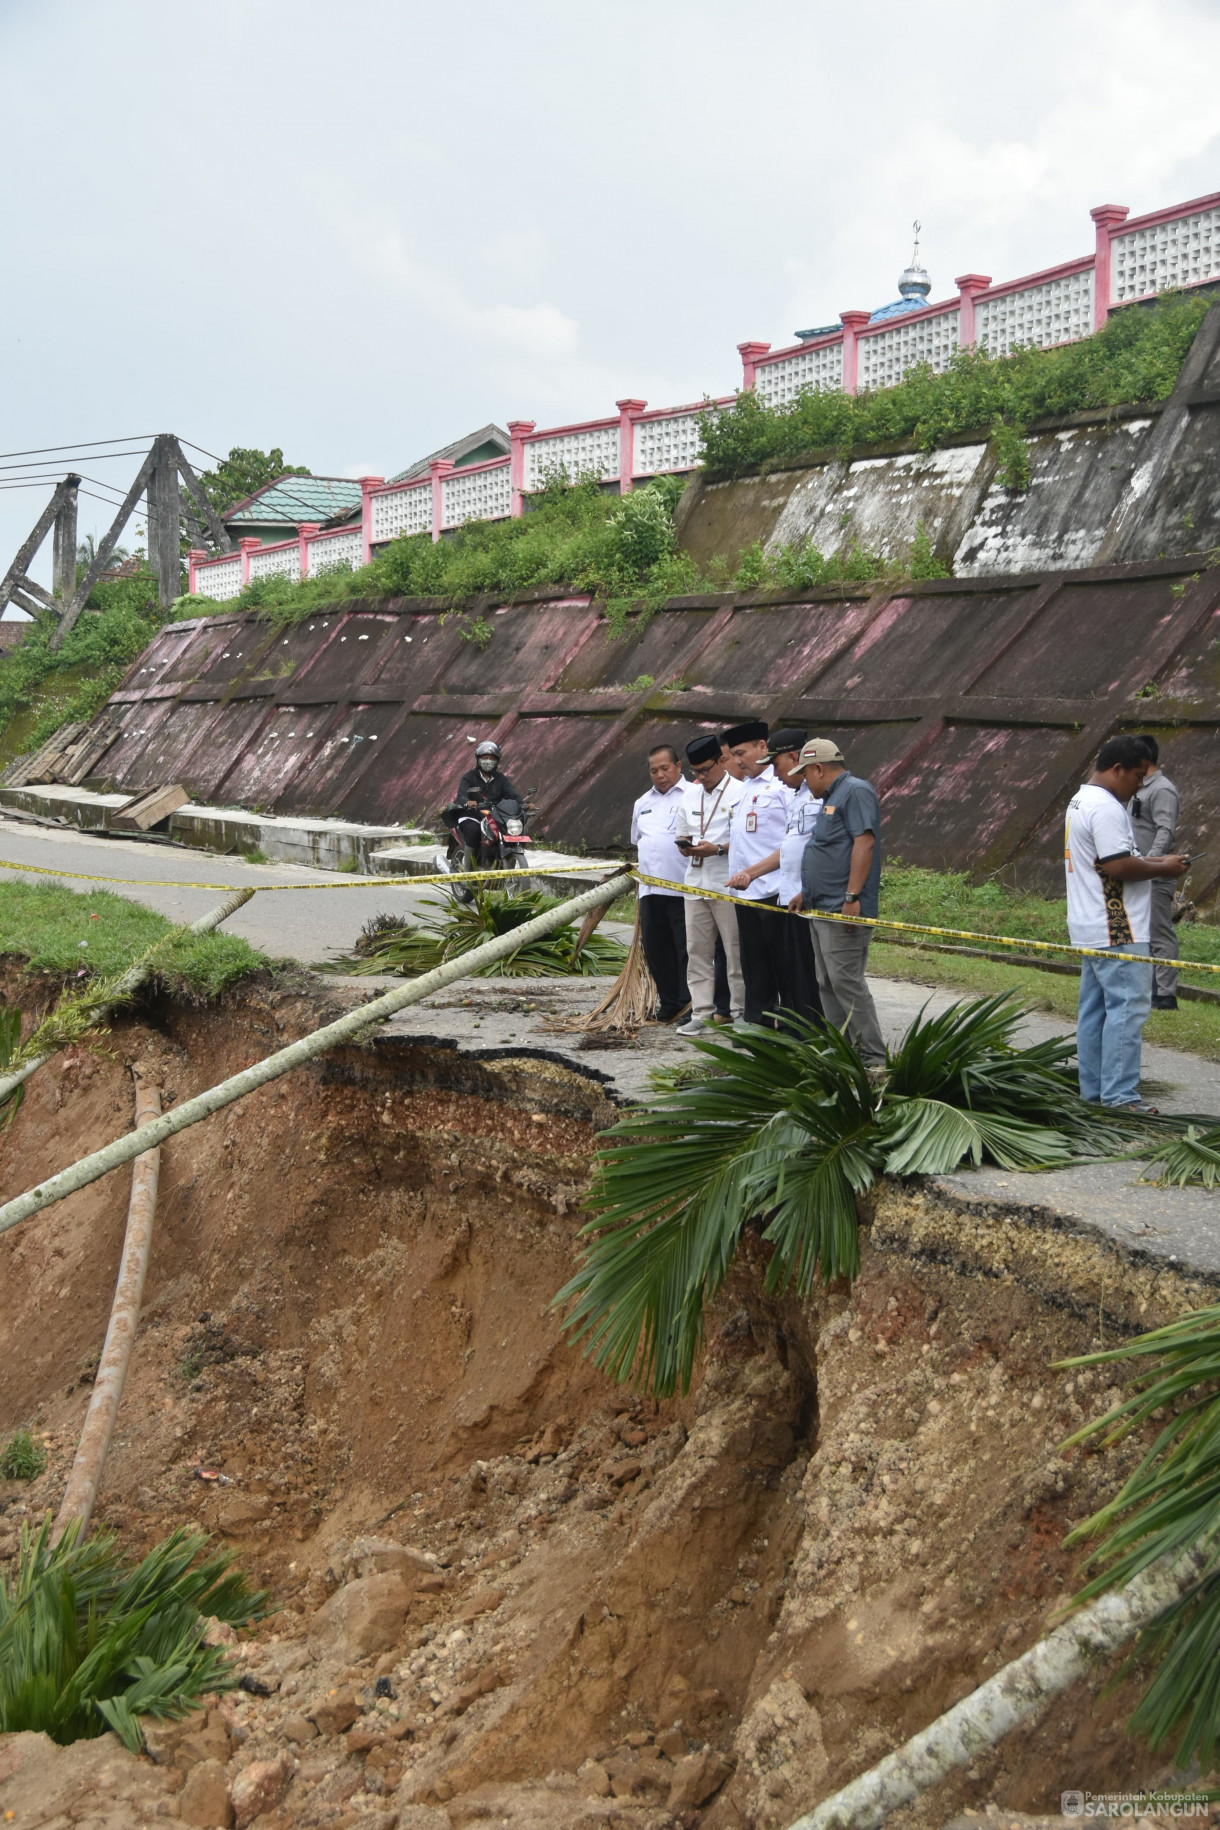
487	765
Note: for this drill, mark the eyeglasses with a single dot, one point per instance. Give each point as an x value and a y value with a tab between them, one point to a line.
701	769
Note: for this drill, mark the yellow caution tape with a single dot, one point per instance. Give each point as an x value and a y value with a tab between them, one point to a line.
346	883
912	927
661	883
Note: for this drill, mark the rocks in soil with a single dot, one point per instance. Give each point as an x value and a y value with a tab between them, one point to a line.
258	1787
363	1616
204	1800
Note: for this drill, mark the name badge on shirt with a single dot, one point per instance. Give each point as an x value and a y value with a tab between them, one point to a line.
751	821
696	864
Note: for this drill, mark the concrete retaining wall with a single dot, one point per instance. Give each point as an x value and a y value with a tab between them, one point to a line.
1131	483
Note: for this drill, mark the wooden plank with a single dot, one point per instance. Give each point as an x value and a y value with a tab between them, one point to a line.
101	557
36	766
88	751
156	805
214	524
30	545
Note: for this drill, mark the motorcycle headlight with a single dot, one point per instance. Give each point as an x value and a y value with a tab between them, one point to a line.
515	826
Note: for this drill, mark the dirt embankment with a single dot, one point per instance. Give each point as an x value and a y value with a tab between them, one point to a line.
506	1591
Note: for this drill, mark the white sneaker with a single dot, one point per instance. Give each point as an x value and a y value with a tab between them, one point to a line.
694	1026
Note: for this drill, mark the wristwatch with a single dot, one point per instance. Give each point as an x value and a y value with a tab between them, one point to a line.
721	850
851	898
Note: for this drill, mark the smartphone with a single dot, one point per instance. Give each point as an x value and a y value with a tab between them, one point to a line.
1196	854
684	844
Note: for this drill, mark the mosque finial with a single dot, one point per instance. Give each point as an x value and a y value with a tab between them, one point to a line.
914	283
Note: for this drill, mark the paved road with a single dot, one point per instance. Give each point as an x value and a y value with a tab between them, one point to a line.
307	925
313	924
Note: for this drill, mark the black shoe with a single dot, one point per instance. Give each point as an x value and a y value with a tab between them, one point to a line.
1164	1003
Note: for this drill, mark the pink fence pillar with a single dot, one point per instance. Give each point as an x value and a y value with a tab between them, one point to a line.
969	285
853	322
307	531
1107	216
247	545
367	486
438	471
750	353
517	429
626	442
192	560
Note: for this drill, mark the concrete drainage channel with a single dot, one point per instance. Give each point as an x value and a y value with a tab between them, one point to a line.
505	1590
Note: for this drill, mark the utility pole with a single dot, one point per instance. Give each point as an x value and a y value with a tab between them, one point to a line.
63	562
165	519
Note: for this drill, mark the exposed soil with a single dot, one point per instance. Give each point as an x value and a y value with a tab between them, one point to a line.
506	1591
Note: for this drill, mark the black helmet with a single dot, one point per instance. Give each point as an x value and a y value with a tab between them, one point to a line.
490	752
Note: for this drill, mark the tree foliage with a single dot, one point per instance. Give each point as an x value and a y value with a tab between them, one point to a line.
1169	1506
242	472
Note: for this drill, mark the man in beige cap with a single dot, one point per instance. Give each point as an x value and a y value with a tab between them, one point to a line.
841	874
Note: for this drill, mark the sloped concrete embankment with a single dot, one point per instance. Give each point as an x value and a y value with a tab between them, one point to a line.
582	1607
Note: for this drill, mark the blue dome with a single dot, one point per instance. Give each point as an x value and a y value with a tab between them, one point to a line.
898	309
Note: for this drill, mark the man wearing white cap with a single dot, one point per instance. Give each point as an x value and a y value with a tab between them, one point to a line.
841	874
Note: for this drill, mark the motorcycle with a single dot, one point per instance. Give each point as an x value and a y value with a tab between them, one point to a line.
492	837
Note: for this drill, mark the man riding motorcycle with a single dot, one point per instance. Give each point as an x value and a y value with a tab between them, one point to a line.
483	789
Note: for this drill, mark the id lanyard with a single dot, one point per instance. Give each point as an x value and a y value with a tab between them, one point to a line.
704	816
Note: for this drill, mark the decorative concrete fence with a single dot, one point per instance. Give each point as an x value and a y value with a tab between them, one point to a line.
1133	259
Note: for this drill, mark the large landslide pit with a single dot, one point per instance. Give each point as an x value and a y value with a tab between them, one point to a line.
505	1590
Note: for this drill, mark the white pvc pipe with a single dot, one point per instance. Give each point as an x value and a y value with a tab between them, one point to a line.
80	1495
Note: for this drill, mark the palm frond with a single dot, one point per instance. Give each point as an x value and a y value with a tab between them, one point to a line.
1193	1158
450	928
1169	1505
87	1643
789	1132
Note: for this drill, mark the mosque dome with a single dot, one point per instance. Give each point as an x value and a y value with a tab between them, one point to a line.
913	286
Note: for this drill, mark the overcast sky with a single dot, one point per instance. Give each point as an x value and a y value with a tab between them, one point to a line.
358	231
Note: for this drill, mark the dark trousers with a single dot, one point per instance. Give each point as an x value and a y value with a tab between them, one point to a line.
663	935
776	963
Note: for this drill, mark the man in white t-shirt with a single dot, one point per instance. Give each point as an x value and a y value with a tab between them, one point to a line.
654	824
1109	900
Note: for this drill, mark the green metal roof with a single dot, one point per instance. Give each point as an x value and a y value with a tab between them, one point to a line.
296	499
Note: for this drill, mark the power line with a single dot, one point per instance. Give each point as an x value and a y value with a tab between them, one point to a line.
83	444
85	457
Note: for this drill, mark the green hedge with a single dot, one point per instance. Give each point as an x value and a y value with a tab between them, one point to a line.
1136	357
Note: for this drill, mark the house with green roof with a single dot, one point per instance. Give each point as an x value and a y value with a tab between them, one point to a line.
278	510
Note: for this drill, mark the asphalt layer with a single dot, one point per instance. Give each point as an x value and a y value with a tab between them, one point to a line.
496	1017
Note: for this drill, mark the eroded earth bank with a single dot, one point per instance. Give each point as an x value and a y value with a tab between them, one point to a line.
506	1591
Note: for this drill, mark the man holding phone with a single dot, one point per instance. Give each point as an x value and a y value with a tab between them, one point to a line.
1109	901
702	836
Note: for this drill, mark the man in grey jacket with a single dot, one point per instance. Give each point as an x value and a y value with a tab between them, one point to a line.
1154	817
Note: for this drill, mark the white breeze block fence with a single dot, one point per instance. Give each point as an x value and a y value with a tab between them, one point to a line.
1133	258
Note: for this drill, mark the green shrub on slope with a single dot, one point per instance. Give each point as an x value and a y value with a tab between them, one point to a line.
1136	357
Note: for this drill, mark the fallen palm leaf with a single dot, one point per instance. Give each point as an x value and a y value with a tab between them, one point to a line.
787	1136
452	928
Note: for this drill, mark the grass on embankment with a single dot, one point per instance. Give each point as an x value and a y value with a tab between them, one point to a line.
948	899
56	930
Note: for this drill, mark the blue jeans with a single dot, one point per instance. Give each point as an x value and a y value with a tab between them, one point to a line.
1115	998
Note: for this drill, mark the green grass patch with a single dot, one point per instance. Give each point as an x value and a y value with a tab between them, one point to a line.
21	1458
948	899
57	930
1194	1028
40	689
1136	357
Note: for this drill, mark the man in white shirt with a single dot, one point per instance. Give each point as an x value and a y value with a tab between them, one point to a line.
654	822
704	821
1109	899
772	946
